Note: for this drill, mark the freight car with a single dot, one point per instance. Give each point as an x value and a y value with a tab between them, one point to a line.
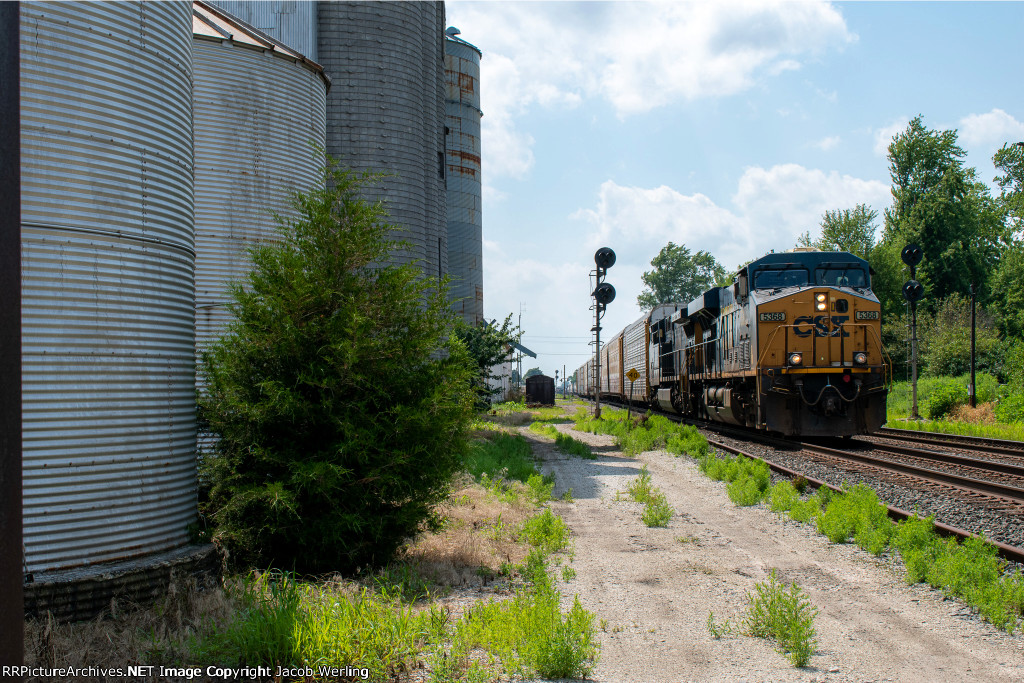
792	346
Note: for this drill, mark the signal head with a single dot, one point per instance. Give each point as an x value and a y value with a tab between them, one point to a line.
604	258
911	255
913	291
604	294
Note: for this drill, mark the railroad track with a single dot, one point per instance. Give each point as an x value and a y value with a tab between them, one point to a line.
978	481
975	444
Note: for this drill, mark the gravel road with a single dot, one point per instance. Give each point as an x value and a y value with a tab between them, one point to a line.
655	587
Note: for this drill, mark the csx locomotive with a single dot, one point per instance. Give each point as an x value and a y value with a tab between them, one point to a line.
793	346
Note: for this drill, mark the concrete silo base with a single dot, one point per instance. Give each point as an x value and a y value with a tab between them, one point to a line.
84	592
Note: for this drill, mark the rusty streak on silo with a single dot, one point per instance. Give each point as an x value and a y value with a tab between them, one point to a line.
465	189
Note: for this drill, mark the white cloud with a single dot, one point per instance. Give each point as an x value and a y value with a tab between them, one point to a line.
828	143
637	56
990	130
769	210
884	135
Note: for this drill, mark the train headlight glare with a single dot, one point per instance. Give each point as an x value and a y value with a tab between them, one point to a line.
796	359
820	297
822	304
860	358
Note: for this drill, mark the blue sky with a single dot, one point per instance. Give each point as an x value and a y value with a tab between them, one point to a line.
727	127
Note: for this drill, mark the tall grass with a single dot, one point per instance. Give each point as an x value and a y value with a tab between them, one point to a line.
564	442
501	454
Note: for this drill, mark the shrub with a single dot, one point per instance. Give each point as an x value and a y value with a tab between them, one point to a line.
338	398
945	397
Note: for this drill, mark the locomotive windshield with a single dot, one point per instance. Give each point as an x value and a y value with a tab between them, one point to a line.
841	276
777	278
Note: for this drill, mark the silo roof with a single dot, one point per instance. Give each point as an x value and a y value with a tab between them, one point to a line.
214	23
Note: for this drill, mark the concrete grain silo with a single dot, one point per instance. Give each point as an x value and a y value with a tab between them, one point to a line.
108	312
260	108
465	189
386	112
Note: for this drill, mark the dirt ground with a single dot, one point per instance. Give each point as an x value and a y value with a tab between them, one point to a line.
655	587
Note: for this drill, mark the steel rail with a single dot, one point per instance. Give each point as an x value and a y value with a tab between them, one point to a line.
966	483
1008	552
950	458
977	443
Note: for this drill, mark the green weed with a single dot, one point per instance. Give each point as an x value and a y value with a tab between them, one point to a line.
784	616
782	496
640	489
718	630
657	511
546	531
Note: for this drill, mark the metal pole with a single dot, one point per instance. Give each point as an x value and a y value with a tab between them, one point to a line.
12	598
913	348
597	359
973	391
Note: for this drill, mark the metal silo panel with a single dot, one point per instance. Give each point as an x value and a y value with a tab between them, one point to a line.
465	189
257	119
384	112
291	22
107	258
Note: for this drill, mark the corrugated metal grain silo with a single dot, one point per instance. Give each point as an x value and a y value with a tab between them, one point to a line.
259	107
465	189
108	301
386	111
288	21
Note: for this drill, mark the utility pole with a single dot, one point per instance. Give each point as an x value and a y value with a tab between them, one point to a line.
12	590
972	393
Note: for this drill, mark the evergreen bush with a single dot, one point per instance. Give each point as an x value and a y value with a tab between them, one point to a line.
338	398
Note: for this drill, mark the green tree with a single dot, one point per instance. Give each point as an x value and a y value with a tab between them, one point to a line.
679	276
531	372
938	204
1010	160
1007	283
1007	288
488	346
339	399
851	230
946	336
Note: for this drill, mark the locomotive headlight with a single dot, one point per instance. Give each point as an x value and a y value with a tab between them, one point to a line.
795	359
860	358
822	304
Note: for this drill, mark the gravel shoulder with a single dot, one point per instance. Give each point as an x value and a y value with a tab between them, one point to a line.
655	587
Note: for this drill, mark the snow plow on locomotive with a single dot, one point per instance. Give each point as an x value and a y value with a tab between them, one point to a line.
792	346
